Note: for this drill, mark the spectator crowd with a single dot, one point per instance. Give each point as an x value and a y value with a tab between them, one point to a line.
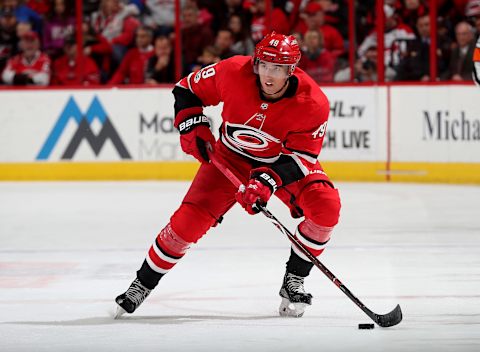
132	42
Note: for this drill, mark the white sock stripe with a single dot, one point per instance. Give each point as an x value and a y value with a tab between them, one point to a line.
154	267
310	244
299	253
163	256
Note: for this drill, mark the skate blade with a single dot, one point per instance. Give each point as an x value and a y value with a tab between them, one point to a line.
119	311
289	309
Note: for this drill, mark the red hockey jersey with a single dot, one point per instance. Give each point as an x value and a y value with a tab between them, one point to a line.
259	129
37	69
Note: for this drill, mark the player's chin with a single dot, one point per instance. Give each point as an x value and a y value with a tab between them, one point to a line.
269	89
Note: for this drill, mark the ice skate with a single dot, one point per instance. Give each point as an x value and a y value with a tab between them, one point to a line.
129	301
294	297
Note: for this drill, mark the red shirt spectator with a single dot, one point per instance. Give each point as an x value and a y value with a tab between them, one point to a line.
31	66
411	11
66	71
134	64
395	34
115	22
316	61
314	19
259	26
195	37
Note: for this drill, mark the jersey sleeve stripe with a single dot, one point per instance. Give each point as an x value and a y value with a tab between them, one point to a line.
306	157
188	82
300	164
304	154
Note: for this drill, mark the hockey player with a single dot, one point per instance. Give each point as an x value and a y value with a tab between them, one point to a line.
274	122
476	63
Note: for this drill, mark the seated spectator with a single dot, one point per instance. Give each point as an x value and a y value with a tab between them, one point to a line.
24	14
210	56
279	21
66	70
415	63
336	15
223	43
160	15
134	65
99	49
205	9
242	43
59	24
461	60
395	33
195	37
161	66
365	68
314	19
234	8
31	66
411	11
115	22
8	37
315	60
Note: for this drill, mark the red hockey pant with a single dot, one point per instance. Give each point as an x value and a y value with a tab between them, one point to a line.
211	195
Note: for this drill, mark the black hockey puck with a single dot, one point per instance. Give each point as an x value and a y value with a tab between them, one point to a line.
366	326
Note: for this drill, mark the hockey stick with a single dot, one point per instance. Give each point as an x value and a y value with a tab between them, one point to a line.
384	320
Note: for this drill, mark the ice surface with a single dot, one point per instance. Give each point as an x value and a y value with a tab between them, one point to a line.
67	249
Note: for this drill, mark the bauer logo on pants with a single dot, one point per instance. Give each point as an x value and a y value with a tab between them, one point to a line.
84	131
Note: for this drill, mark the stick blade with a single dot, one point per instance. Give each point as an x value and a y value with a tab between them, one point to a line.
390	319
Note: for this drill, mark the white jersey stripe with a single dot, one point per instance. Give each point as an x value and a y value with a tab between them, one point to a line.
299	164
308	158
188	82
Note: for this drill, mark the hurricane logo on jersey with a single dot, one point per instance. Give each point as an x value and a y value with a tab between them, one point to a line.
251	142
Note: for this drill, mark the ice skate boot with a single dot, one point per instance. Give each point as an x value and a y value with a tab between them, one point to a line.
294	297
131	299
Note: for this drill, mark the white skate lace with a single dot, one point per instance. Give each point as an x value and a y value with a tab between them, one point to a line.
295	284
137	292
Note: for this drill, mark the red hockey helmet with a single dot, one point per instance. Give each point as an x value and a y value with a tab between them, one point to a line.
278	49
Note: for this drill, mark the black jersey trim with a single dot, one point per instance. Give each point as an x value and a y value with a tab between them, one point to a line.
185	99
